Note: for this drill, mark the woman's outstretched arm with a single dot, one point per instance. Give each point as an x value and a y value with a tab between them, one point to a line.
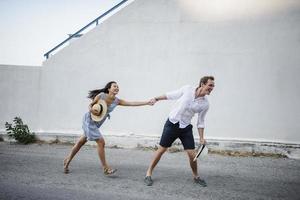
151	102
122	102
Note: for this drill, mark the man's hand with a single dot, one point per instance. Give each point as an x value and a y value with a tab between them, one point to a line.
202	141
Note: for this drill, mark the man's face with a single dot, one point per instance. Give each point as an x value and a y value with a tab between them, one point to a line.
208	87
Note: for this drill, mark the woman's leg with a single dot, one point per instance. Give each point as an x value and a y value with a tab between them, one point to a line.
101	152
82	140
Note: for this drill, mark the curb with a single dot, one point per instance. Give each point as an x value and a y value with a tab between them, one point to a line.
222	147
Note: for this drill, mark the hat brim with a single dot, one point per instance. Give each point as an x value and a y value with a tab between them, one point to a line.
98	118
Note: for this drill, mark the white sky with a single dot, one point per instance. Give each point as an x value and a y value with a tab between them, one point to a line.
30	28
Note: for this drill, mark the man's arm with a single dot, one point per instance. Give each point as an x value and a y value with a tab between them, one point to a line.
200	125
201	136
162	97
173	95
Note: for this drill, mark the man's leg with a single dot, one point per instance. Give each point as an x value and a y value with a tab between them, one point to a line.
188	143
191	154
168	136
159	152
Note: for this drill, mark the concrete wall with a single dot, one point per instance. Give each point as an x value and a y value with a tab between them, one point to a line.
151	47
19	91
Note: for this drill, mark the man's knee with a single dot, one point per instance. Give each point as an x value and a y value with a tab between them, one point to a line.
161	150
191	153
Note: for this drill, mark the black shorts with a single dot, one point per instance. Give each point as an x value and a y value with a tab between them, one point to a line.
172	131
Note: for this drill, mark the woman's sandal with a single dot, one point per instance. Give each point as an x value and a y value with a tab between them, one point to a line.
109	171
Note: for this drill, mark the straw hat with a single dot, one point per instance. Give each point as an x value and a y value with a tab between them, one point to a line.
101	108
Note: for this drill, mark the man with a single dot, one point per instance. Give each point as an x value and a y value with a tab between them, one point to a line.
190	100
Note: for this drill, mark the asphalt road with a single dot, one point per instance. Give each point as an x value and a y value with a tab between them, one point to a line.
36	172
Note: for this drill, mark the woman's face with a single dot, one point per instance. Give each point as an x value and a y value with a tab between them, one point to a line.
114	89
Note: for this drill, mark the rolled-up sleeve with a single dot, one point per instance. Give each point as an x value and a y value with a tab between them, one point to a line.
201	117
176	94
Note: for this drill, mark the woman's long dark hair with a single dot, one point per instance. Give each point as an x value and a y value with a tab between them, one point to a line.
93	93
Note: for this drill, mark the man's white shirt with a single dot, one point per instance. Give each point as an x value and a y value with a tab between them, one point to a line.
187	106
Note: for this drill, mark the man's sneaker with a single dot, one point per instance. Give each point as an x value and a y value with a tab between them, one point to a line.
148	180
200	182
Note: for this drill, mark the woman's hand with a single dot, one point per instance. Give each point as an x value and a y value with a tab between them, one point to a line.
152	102
95	112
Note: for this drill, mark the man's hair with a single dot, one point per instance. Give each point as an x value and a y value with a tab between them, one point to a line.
204	79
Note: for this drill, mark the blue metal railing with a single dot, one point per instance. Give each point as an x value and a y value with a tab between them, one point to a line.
82	29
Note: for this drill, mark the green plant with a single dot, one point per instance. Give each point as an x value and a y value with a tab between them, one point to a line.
19	131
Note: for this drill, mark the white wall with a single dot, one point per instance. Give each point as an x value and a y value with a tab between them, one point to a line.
19	91
151	47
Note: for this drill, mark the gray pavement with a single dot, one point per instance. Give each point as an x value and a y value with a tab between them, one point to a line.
35	172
